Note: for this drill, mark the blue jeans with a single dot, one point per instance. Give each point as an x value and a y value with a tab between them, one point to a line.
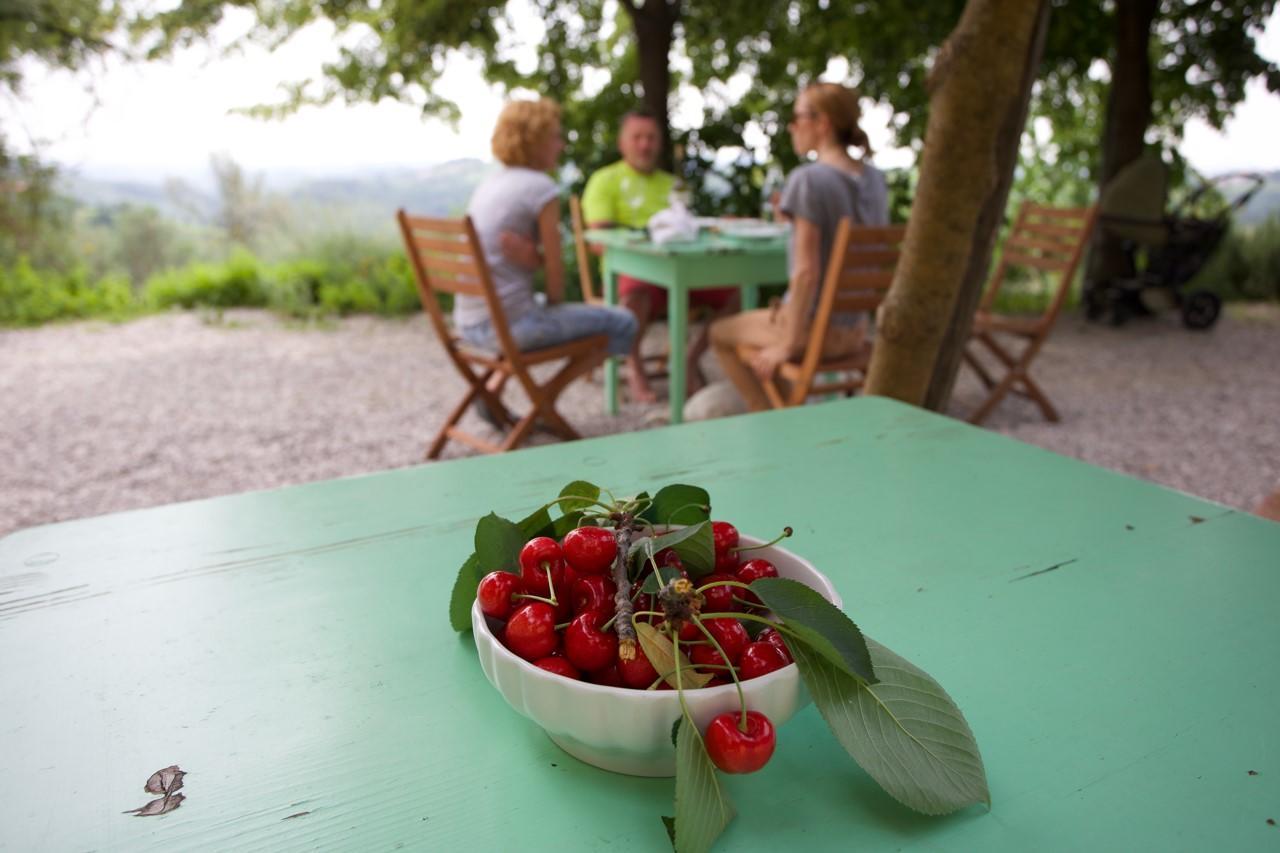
548	325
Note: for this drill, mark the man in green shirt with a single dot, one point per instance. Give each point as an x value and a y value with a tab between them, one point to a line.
625	194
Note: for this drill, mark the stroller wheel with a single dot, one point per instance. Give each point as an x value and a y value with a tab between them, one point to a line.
1200	310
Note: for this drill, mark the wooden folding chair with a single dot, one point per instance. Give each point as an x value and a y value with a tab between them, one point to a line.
863	259
653	364
1051	240
446	257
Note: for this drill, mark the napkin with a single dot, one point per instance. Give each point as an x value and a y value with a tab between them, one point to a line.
673	223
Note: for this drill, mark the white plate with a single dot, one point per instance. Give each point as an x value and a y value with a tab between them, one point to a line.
752	230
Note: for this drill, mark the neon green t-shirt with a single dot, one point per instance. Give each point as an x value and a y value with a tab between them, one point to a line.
621	195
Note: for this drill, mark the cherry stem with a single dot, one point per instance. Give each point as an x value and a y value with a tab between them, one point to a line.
786	531
564	625
733	672
531	597
705	587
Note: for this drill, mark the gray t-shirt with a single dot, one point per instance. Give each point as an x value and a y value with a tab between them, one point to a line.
824	195
510	199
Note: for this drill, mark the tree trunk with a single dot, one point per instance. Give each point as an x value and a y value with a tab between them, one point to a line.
974	85
1128	117
655	24
984	238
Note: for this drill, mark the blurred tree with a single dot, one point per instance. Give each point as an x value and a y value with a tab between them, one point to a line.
146	243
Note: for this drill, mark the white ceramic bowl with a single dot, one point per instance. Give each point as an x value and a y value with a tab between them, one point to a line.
629	731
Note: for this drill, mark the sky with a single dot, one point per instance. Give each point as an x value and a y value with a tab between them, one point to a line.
152	120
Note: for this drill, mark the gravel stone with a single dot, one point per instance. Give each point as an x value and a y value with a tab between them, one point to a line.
97	418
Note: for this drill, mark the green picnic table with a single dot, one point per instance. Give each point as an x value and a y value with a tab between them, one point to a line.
1113	645
709	261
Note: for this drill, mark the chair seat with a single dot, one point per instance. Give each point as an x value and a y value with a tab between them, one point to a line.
493	358
793	371
1027	327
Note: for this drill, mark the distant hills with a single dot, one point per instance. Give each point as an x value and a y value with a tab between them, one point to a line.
365	201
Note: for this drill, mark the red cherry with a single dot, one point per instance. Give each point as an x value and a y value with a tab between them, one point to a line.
593	592
565	583
668	557
590	550
731	636
751	571
643	602
760	658
689	632
706	657
773	638
608	676
559	666
725	536
637	673
531	631
495	592
736	751
586	646
727	563
538	557
717	599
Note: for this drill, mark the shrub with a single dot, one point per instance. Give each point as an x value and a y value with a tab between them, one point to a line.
237	283
29	297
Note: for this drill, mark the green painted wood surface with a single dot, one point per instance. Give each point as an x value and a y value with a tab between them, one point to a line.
709	261
290	649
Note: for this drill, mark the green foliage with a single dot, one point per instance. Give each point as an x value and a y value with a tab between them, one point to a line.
239	282
29	297
1246	265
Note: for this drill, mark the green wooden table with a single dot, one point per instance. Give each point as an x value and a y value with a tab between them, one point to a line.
709	261
1113	645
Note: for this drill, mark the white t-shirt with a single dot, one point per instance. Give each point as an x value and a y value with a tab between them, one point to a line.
510	199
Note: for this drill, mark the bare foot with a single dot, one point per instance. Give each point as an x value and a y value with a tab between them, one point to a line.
638	385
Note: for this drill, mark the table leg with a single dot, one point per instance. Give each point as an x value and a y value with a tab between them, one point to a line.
678	324
610	363
750	297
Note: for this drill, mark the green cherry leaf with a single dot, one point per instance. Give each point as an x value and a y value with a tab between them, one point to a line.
587	492
464	592
670	824
679	504
819	623
498	543
703	809
694	544
905	731
660	577
538	523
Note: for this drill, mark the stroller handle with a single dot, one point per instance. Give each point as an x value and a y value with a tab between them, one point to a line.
1256	183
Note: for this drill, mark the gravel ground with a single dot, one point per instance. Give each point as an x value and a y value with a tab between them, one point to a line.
97	418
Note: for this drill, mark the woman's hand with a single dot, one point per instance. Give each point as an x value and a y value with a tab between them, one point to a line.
520	250
766	361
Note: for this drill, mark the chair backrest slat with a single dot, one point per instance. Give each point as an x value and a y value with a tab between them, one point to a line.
1049	239
859	274
1042	246
589	294
444	257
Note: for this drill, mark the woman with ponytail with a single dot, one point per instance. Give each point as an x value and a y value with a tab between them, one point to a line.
817	195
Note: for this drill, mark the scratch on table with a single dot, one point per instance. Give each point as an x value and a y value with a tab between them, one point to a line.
1052	568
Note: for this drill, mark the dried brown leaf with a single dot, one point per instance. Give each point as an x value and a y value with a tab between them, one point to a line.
160	805
661	653
165	781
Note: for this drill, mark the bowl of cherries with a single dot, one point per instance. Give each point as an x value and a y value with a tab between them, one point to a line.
553	640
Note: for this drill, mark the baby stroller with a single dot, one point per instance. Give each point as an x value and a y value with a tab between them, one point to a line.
1176	245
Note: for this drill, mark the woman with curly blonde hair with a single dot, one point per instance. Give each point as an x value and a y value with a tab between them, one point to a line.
832	186
516	212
